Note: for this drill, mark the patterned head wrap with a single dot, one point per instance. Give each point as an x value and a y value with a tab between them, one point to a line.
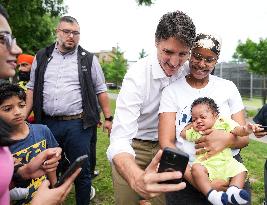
208	41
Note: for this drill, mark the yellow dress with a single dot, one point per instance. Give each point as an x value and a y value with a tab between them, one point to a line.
222	165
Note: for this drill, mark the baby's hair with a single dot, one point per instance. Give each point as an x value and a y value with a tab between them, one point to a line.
206	101
8	90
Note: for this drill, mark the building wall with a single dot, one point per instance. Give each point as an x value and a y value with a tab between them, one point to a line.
248	84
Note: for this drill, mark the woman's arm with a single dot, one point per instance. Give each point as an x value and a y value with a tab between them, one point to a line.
167	129
239	141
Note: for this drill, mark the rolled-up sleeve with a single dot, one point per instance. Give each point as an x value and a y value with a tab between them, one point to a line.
98	77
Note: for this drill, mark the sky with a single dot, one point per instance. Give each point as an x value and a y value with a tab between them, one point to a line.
108	23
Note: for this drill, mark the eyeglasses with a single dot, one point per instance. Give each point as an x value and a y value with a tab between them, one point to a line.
68	32
208	60
8	40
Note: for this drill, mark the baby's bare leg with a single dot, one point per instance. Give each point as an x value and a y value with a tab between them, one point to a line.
201	178
236	193
239	180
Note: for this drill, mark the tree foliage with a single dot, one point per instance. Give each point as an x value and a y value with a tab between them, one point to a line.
33	22
142	54
255	55
145	2
115	70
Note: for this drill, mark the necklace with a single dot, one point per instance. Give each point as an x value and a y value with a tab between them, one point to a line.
197	83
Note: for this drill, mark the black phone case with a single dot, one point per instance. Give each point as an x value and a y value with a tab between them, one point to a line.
73	167
173	160
265	128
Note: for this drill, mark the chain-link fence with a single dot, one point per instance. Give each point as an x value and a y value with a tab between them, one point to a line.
249	85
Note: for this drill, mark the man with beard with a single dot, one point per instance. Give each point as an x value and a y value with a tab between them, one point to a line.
65	80
24	63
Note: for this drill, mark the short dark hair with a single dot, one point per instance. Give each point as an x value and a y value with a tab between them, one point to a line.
3	12
8	90
177	25
68	19
5	132
206	101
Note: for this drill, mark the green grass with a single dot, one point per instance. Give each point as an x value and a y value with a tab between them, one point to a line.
252	106
254	158
253	155
257	103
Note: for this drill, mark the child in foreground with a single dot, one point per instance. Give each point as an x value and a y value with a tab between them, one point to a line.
30	139
205	115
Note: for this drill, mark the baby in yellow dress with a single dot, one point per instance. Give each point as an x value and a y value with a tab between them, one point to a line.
205	115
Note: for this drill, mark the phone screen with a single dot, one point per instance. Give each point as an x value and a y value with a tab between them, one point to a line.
73	167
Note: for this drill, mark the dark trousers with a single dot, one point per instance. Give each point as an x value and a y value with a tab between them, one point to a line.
93	154
75	141
265	180
191	196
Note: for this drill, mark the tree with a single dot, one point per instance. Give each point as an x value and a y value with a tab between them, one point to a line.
115	70
33	22
255	55
142	54
145	2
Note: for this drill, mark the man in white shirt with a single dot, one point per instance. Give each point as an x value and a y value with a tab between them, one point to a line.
134	135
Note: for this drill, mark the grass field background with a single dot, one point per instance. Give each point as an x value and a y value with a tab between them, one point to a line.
254	156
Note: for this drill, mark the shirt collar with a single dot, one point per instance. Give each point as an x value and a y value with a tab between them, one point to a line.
157	71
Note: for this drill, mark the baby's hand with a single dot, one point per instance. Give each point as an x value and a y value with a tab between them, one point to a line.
255	128
252	128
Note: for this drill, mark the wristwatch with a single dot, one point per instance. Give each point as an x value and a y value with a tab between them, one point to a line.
109	118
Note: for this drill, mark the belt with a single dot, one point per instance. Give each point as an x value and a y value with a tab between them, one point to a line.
65	117
140	140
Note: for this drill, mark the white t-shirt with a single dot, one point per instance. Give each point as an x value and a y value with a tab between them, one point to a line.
179	96
137	105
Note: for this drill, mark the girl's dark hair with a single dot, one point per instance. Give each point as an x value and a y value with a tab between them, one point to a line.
206	101
3	12
5	131
8	90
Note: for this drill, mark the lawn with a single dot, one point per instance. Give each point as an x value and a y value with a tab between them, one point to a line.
254	157
253	103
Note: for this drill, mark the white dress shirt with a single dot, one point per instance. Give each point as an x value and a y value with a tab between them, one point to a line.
136	114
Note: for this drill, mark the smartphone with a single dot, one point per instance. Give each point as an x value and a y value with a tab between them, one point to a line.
265	128
173	160
73	167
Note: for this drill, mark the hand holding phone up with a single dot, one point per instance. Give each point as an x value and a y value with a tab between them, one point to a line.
173	160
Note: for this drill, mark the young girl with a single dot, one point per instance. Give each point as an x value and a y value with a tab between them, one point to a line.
205	115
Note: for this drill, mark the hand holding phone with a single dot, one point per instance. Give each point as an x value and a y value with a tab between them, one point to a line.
73	167
173	160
